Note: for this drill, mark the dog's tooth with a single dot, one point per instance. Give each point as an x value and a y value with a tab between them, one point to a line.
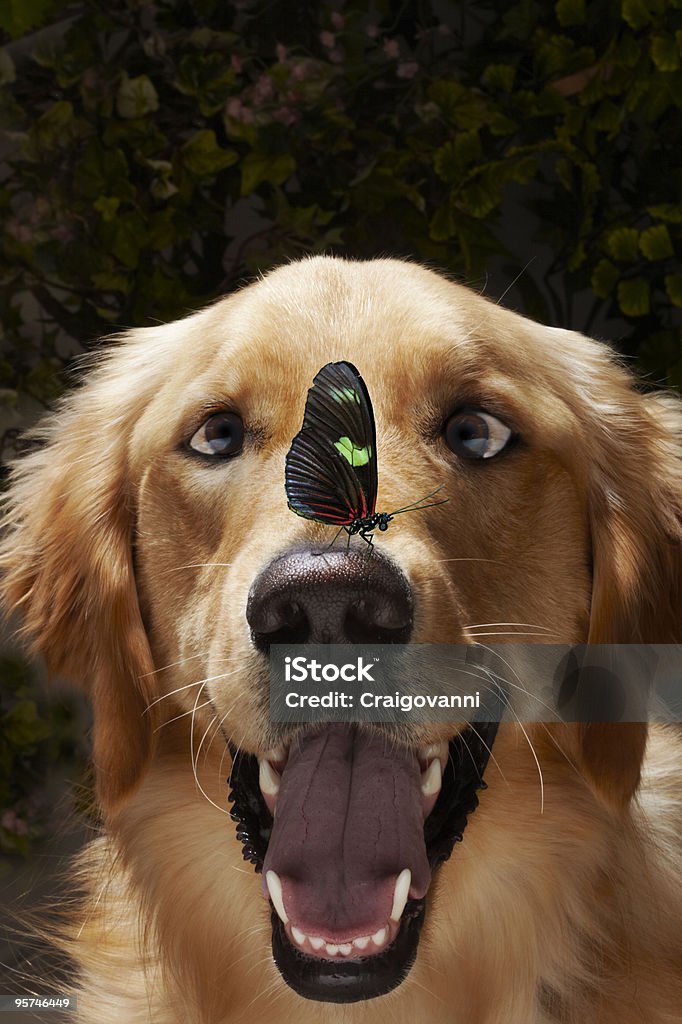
439	750
400	893
431	778
345	948
275	889
276	755
298	935
268	778
380	937
315	941
362	942
331	948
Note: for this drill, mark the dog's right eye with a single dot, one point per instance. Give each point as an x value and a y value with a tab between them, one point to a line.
222	435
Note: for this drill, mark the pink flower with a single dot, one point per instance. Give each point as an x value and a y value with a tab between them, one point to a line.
263	90
11	823
372	30
338	20
281	52
299	71
285	115
391	48
327	39
407	69
20	232
238	112
236	63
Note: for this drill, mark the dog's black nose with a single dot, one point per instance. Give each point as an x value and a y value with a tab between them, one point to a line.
337	597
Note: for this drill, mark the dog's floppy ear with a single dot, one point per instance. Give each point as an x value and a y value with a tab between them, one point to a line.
67	557
636	531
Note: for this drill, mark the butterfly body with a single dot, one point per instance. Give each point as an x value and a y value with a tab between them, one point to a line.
331	467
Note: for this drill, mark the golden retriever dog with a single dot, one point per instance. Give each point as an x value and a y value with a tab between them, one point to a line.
151	557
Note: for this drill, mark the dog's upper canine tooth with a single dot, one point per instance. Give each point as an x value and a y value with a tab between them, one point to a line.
275	889
400	894
439	750
268	778
277	755
432	778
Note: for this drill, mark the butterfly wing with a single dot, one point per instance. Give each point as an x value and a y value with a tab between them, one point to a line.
331	467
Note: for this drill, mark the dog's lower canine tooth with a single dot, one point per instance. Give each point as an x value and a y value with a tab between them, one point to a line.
298	935
400	894
432	778
380	937
275	889
268	778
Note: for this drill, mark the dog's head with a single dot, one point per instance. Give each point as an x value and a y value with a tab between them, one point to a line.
151	554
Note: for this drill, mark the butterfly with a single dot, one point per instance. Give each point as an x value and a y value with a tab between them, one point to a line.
331	468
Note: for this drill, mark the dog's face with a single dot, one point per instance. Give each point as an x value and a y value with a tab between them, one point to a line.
179	563
511	546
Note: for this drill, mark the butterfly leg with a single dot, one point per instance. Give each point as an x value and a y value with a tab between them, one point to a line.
369	540
334	540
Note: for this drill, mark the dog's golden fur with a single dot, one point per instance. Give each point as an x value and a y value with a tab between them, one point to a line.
129	565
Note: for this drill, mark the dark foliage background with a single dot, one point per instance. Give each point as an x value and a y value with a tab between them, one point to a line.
157	154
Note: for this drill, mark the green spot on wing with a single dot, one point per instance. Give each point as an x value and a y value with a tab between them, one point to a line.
345	395
355	456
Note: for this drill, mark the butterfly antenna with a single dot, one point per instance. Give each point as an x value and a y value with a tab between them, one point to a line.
416	505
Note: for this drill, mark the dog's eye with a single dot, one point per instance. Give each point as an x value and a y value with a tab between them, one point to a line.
474	434
221	435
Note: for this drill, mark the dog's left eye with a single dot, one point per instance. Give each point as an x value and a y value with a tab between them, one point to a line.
222	435
474	434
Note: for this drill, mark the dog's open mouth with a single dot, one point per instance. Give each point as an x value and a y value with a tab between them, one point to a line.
348	828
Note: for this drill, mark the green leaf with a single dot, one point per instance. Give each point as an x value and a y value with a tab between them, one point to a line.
634	297
442	224
103	171
570	12
54	128
136	97
203	157
665	53
500	76
17	17
673	286
656	243
636	13
604	277
670	212
259	167
8	72
623	244
107	206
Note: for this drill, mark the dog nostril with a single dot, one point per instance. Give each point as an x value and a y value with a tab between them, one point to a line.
371	622
289	625
343	597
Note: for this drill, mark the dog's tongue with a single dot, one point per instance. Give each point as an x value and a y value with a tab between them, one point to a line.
349	819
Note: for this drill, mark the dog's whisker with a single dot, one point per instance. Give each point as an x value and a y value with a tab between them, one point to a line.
192	712
520	724
165	696
509	632
223	810
174	664
485	625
